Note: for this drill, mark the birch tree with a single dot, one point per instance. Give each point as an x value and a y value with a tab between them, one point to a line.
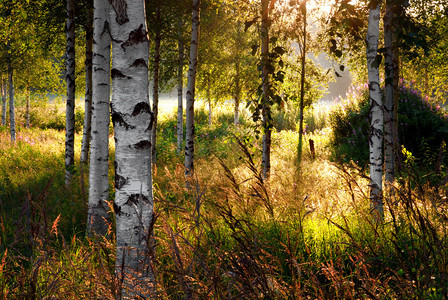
86	133
98	218
266	110
389	105
189	139
376	110
132	120
70	103
4	91
180	86
12	120
156	68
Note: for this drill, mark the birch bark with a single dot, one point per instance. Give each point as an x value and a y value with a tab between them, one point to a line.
70	103
266	110
376	111
132	120
180	85
189	139
3	87
98	219
87	127
389	105
155	104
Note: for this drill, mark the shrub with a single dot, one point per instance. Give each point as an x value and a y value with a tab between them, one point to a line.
422	128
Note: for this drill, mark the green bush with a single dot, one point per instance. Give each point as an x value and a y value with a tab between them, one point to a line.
422	128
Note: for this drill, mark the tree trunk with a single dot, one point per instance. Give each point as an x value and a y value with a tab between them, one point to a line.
132	120
302	86
155	104
70	104
389	107
28	105
3	87
12	120
189	139
209	100
376	113
180	85
236	117
397	147
98	218
266	109
87	128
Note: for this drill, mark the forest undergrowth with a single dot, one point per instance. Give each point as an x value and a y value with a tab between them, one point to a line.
305	233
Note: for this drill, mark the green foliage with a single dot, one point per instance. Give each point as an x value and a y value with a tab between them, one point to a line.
422	128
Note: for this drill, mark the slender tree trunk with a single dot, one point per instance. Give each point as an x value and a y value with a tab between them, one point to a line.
189	140
28	105
12	120
155	104
4	92
98	218
180	85
132	119
236	117
397	148
302	85
70	104
266	109
209	100
376	113
87	128
389	107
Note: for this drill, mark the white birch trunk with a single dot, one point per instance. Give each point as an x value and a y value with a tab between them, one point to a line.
180	85
98	219
376	113
70	103
4	92
87	127
131	116
155	90
266	110
189	139
389	105
209	102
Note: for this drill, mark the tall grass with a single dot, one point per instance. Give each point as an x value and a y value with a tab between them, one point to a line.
235	235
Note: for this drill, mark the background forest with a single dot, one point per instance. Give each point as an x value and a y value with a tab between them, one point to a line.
262	175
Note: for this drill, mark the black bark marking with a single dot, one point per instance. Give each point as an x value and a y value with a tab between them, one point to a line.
120	181
139	62
135	198
114	73
136	36
117	209
120	8
145	144
117	119
141	107
151	122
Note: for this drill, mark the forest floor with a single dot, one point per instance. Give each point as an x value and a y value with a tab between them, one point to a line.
306	233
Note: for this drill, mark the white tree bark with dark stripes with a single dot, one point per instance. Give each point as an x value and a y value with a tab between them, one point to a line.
180	86
389	105
132	119
87	128
155	88
70	103
189	139
266	110
376	111
99	151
